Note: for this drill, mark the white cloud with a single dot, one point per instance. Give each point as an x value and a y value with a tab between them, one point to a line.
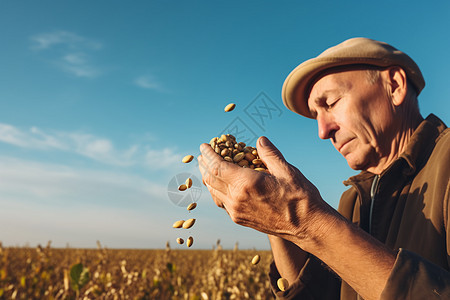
66	39
40	140
69	51
148	82
11	135
100	149
75	58
47	40
35	138
90	146
42	201
79	65
53	182
161	159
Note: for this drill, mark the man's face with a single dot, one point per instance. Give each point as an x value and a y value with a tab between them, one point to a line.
355	115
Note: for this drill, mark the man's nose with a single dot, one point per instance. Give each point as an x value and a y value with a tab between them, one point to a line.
326	125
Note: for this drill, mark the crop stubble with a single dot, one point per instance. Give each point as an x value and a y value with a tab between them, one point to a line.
32	273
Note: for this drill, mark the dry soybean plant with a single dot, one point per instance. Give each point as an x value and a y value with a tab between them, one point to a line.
72	274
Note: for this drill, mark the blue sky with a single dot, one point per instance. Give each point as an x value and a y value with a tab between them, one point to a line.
100	100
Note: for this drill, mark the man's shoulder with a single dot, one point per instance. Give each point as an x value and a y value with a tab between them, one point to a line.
442	147
438	145
444	138
437	167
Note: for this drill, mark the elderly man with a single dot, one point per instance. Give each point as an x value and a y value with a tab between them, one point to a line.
390	236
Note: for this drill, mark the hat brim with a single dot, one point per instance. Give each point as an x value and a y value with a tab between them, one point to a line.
297	85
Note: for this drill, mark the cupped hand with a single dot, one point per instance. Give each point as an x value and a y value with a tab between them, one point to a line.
280	203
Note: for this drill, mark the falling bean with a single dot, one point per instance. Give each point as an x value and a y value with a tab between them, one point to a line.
256	259
230	107
188	183
188	223
187	159
178	224
283	284
190	241
192	206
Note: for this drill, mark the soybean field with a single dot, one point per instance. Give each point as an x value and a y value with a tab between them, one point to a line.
67	273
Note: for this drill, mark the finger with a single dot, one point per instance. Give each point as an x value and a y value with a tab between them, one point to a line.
201	168
211	174
209	170
209	155
218	197
272	157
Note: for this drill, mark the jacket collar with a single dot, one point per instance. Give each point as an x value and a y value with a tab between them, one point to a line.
422	143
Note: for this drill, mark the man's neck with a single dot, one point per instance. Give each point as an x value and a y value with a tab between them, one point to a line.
398	145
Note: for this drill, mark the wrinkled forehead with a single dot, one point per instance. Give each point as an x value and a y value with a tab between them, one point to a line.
337	70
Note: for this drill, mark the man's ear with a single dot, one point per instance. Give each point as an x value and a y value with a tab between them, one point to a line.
397	84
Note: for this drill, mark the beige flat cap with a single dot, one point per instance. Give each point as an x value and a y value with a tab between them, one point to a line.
354	51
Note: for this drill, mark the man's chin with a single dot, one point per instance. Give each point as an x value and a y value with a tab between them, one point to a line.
355	165
362	167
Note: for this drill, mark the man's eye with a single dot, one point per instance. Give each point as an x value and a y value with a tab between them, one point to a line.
331	104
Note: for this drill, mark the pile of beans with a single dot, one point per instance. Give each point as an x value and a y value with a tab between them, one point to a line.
237	153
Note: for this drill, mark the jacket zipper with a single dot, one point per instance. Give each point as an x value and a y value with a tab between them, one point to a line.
373	191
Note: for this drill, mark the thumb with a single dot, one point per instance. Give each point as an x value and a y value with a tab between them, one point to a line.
271	157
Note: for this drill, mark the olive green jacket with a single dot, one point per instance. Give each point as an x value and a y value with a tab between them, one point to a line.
407	208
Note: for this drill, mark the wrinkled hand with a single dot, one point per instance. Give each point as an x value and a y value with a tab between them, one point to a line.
281	203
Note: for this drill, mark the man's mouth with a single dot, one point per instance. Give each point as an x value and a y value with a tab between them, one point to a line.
340	147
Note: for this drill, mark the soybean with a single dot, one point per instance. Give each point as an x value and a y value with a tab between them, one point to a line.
190	241
178	224
256	259
238	157
283	284
230	107
192	206
188	183
187	159
188	223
